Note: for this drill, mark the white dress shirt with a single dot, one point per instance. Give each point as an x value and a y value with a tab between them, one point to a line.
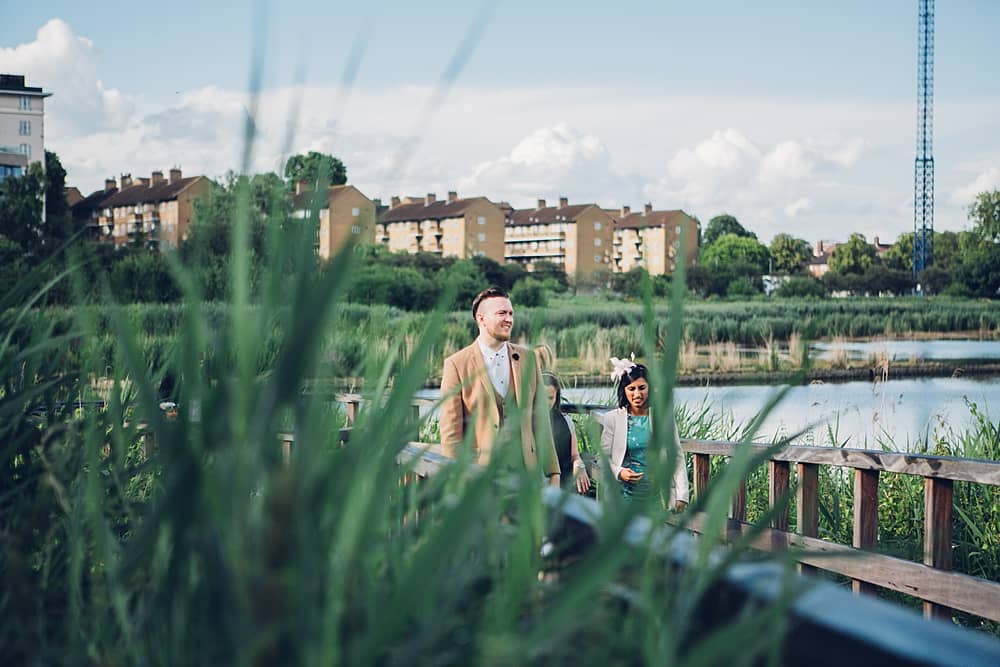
497	367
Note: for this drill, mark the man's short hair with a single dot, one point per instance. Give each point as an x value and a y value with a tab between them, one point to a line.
487	293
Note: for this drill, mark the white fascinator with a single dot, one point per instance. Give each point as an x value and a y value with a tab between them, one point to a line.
621	366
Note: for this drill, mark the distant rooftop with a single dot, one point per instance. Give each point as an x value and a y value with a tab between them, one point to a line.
14	83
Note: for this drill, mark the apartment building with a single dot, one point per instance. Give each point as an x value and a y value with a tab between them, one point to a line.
651	239
577	238
345	214
454	227
22	125
155	211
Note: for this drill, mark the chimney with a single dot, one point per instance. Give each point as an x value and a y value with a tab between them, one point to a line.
541	203
819	249
175	175
875	242
156	177
625	211
452	195
109	184
302	185
126	181
143	181
647	209
430	199
563	202
378	203
394	202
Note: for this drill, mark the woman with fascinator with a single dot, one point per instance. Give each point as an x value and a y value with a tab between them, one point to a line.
627	433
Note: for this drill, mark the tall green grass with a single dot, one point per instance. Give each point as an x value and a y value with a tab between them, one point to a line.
585	333
132	538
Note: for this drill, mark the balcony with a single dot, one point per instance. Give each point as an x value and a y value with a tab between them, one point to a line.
537	254
529	238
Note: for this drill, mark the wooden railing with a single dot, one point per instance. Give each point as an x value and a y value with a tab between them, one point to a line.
932	581
828	626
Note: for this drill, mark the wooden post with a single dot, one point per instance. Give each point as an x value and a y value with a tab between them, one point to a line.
807	505
865	518
702	473
351	405
739	506
777	487
937	534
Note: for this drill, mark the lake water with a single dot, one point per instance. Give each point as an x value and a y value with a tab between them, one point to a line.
853	414
910	350
857	414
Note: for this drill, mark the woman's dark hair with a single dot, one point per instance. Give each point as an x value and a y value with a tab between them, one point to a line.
550	380
636	372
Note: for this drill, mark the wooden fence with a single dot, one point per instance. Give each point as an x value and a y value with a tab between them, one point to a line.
932	581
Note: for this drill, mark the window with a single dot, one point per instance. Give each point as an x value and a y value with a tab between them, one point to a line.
355	229
25	150
597	226
597	242
24	128
25	103
355	212
482	237
481	220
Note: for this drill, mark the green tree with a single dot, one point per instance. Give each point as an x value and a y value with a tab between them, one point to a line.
529	293
801	286
899	257
790	255
314	167
731	250
985	216
947	250
721	225
854	257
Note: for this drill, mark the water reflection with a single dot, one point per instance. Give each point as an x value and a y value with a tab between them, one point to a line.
851	414
909	350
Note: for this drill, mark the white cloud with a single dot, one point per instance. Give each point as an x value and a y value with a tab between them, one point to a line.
800	205
553	161
985	181
816	168
59	60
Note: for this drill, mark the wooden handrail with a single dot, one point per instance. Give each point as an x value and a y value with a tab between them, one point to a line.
830	627
932	581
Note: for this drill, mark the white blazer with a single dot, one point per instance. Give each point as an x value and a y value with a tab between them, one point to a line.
613	442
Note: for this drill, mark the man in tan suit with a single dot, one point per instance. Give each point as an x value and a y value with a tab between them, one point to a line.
487	379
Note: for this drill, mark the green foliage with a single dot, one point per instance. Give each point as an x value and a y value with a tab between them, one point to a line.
853	257
721	225
742	255
315	167
900	255
801	287
529	293
790	255
985	216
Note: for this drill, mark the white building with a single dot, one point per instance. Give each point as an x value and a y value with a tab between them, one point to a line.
22	125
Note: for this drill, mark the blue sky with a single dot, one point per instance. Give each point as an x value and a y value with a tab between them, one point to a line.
793	116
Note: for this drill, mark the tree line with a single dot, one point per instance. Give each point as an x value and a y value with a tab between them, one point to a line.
732	262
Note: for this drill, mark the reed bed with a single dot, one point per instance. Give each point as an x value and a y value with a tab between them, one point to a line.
136	536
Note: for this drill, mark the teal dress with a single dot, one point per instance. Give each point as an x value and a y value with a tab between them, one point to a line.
636	440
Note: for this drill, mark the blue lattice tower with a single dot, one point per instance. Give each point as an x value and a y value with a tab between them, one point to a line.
923	179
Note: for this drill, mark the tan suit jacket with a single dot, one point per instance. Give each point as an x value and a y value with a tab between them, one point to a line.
469	401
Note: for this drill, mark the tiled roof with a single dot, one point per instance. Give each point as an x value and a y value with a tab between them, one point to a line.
304	200
93	201
148	194
438	210
640	220
531	216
